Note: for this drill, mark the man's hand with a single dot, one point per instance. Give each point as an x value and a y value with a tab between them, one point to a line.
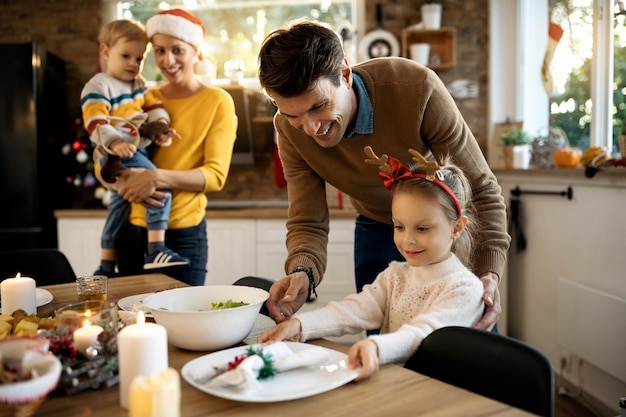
287	295
491	297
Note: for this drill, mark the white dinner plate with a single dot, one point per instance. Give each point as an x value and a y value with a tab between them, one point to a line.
43	297
290	385
135	303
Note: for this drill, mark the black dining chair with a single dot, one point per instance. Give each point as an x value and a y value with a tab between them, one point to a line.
47	266
495	366
257	282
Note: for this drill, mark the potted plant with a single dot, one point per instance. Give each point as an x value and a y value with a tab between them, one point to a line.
516	148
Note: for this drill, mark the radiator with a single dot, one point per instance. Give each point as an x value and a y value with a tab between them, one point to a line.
592	325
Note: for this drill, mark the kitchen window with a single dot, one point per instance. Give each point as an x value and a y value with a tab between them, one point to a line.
236	28
587	105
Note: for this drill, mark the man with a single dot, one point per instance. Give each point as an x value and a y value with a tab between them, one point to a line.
327	113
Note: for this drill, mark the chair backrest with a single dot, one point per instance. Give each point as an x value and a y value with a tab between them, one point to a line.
493	365
46	266
257	282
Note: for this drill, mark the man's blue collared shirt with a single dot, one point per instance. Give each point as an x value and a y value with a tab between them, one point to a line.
364	123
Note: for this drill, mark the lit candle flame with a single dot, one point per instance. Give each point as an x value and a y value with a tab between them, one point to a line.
141	319
87	324
18	276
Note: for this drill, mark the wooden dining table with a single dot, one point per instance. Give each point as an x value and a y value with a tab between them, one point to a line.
393	390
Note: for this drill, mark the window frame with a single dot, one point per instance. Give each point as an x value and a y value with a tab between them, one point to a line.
516	92
111	10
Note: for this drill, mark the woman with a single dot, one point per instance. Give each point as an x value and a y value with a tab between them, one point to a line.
205	119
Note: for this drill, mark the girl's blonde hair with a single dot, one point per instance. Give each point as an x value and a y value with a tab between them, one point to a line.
456	181
124	28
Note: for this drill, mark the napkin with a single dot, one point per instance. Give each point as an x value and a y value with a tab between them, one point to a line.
244	377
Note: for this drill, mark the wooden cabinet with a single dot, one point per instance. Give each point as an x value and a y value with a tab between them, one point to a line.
79	240
237	247
339	277
232	250
442	45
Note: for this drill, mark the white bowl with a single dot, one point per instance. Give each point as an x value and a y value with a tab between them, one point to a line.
191	324
33	353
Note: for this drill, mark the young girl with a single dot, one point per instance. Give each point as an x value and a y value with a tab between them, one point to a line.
433	230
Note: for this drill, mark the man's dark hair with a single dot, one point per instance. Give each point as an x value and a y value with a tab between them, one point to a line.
294	58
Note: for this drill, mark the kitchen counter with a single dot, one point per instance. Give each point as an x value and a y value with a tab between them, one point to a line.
572	176
222	212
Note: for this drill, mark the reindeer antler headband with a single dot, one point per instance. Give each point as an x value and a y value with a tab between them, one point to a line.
391	171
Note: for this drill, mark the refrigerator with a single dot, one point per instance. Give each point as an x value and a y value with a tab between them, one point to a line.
33	128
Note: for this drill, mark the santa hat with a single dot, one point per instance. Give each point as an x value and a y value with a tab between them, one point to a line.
181	24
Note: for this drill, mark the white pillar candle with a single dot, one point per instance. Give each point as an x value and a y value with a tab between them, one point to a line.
18	293
157	396
142	350
86	336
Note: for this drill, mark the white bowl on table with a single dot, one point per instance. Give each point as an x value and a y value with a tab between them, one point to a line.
28	353
190	322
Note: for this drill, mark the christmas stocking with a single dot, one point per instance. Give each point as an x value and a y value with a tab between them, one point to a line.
554	36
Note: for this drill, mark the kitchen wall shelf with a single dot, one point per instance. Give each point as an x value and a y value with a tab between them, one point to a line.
442	45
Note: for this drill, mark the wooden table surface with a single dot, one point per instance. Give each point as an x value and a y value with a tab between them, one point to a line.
392	391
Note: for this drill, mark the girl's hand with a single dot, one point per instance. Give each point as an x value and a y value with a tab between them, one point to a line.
290	330
364	354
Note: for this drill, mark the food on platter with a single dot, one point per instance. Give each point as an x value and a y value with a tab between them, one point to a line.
22	324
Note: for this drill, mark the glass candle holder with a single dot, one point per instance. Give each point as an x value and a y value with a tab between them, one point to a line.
97	313
92	287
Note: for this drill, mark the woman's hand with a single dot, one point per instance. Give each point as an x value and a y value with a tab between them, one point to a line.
364	355
491	297
290	330
138	185
287	295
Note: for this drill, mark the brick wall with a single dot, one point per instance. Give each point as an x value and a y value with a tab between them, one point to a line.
471	19
67	28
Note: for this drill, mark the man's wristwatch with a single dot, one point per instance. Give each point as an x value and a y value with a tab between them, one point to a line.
309	274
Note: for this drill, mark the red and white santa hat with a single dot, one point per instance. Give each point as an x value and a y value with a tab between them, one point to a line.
182	25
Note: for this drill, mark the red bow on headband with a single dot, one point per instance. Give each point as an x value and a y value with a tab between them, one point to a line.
400	173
